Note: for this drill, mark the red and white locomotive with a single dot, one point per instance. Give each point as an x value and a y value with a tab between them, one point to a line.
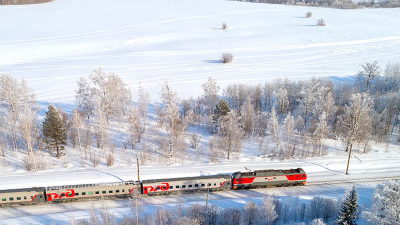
237	180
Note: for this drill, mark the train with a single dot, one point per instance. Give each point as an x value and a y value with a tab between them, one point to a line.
234	181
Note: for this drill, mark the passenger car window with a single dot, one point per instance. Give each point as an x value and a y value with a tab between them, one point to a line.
3	199
177	186
117	191
171	187
18	198
196	185
104	192
110	191
77	194
90	192
97	192
25	197
203	185
11	199
83	193
183	186
123	190
190	185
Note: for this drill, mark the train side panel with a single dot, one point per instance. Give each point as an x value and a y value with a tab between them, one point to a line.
72	192
186	184
22	196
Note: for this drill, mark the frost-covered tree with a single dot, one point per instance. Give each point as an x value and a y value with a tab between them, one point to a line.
288	133
357	122
318	221
210	96
348	214
136	205
369	73
54	130
322	129
231	132
175	125
10	98
84	97
385	208
274	126
100	128
76	124
268	211
251	213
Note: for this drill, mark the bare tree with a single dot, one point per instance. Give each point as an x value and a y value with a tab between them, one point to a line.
28	122
100	129
10	97
84	97
274	126
322	129
175	125
288	133
231	132
357	120
370	72
210	95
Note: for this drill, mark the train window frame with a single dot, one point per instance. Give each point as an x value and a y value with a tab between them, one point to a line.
18	198
110	191
116	191
90	193
83	193
183	186
3	199
11	198
196	185
97	192
203	185
77	194
104	192
190	185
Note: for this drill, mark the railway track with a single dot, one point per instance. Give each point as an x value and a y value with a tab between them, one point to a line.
351	181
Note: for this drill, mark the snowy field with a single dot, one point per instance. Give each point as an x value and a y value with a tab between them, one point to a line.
52	45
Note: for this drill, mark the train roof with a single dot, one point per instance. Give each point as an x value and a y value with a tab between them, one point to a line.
92	185
186	178
37	189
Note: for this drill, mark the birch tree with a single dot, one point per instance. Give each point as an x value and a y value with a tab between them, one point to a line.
175	125
231	132
210	89
84	97
10	97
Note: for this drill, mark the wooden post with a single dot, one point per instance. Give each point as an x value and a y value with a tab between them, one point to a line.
348	161
138	174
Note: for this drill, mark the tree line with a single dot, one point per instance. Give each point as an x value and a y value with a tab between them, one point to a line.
284	118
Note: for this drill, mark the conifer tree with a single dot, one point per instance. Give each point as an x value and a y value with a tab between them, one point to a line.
348	214
222	109
54	130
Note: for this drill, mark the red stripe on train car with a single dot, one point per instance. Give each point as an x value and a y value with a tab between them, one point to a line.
248	180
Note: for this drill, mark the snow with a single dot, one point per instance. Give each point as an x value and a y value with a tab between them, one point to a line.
52	45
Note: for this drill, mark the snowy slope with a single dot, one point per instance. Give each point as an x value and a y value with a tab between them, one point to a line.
52	45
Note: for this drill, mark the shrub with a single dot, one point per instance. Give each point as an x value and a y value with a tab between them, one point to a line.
227	58
95	160
308	15
194	140
321	22
224	26
110	159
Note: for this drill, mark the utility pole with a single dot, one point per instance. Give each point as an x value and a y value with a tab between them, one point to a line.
348	161
138	174
208	190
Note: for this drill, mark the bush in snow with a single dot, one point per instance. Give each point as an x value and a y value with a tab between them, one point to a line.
224	26
194	140
308	14
321	23
110	159
227	58
386	204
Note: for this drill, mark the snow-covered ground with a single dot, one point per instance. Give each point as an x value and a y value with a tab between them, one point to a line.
64	212
52	45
